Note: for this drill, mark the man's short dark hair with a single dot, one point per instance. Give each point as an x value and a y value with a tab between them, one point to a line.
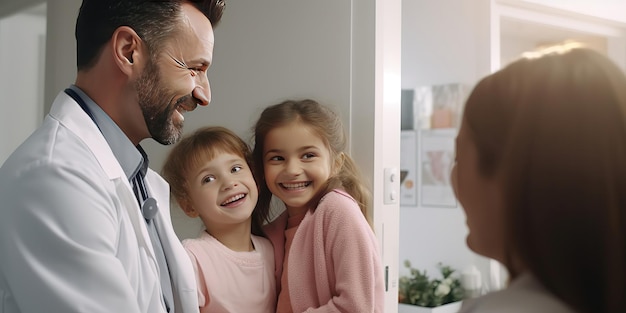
153	20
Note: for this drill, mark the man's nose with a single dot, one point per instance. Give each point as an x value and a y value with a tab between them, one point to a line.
202	90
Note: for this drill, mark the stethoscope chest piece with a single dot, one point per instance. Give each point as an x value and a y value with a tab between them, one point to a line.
149	208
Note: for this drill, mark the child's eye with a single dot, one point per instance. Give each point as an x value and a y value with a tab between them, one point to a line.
276	158
236	168
308	155
208	179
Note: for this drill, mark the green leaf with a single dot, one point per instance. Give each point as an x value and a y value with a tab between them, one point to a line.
419	289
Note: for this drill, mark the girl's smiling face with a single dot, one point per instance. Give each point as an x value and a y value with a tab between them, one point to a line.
297	163
222	191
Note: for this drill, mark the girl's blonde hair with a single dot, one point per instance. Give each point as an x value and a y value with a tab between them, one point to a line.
327	125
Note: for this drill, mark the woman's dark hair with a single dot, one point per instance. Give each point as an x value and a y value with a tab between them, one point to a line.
552	132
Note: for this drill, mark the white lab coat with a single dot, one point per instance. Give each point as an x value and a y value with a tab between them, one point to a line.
72	238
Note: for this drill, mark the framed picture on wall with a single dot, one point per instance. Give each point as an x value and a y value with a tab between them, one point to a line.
436	161
440	106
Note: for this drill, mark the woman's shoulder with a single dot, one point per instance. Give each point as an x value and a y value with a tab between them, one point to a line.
524	295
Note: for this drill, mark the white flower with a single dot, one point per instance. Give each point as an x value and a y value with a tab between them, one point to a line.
442	290
447	281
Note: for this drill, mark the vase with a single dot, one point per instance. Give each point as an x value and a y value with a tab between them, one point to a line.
453	307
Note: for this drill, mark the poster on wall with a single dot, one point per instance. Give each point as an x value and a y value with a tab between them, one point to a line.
439	106
436	161
408	168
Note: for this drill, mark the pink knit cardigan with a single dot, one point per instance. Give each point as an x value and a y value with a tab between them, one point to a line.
334	261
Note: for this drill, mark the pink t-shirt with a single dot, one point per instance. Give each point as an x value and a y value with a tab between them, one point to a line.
233	281
284	301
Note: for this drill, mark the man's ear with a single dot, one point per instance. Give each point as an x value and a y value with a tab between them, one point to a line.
127	49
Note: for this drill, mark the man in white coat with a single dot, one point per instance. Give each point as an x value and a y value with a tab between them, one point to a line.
84	223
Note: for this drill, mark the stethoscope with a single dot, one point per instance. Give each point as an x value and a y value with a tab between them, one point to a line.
149	207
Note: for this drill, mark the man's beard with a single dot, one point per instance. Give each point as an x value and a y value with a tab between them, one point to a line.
157	111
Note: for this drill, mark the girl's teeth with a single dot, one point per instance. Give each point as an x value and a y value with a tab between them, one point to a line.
233	198
297	185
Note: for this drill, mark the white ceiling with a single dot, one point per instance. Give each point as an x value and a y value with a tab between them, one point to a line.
539	33
518	37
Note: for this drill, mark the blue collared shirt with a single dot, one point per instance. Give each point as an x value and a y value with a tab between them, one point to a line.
125	152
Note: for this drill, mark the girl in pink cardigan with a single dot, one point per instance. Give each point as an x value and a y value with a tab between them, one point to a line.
326	254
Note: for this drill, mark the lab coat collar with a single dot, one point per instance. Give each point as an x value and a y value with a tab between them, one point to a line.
68	112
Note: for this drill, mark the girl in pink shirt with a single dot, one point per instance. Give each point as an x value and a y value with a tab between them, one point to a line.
327	257
209	176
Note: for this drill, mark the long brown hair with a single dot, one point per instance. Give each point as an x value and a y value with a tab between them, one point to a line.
552	131
201	146
327	125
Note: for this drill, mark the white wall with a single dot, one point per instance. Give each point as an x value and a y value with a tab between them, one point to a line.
445	41
610	10
440	41
603	18
60	48
458	41
22	40
10	7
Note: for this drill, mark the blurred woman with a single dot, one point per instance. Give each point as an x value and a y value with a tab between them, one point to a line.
541	174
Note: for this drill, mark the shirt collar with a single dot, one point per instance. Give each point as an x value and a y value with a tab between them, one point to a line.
132	158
